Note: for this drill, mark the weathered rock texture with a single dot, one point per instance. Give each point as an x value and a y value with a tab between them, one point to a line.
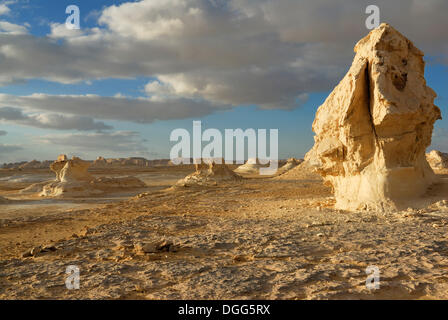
373	129
207	174
437	159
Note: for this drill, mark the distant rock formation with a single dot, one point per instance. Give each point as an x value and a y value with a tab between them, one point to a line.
34	164
252	166
373	129
437	159
3	200
101	162
23	165
71	170
73	180
290	164
207	174
303	172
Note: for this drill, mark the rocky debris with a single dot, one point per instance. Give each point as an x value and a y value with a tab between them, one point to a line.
207	174
290	164
74	180
105	183
35	251
373	129
155	247
437	159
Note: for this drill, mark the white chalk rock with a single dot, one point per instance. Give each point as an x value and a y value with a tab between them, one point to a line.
373	129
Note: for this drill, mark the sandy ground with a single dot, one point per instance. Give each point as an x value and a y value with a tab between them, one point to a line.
262	238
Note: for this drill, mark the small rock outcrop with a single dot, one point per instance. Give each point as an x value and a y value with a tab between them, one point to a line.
290	164
372	131
252	166
437	160
100	162
74	180
208	174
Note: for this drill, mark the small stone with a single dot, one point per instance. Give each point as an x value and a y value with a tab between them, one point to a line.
35	251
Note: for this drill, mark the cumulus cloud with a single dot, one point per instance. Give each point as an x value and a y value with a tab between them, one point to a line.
59	31
265	52
4	9
12	29
120	141
51	120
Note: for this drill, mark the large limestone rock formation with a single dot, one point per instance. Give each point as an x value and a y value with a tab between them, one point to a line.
373	129
207	174
437	160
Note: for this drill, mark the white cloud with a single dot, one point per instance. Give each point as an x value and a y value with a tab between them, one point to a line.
51	121
264	52
140	110
12	29
4	9
59	30
120	141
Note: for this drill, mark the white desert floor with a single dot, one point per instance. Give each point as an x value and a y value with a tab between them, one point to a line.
264	238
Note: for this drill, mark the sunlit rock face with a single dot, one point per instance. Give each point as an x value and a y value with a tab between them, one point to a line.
437	160
373	129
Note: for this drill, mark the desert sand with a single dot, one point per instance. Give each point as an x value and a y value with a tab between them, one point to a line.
267	238
366	195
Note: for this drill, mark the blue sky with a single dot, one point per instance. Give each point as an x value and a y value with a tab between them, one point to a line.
136	71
